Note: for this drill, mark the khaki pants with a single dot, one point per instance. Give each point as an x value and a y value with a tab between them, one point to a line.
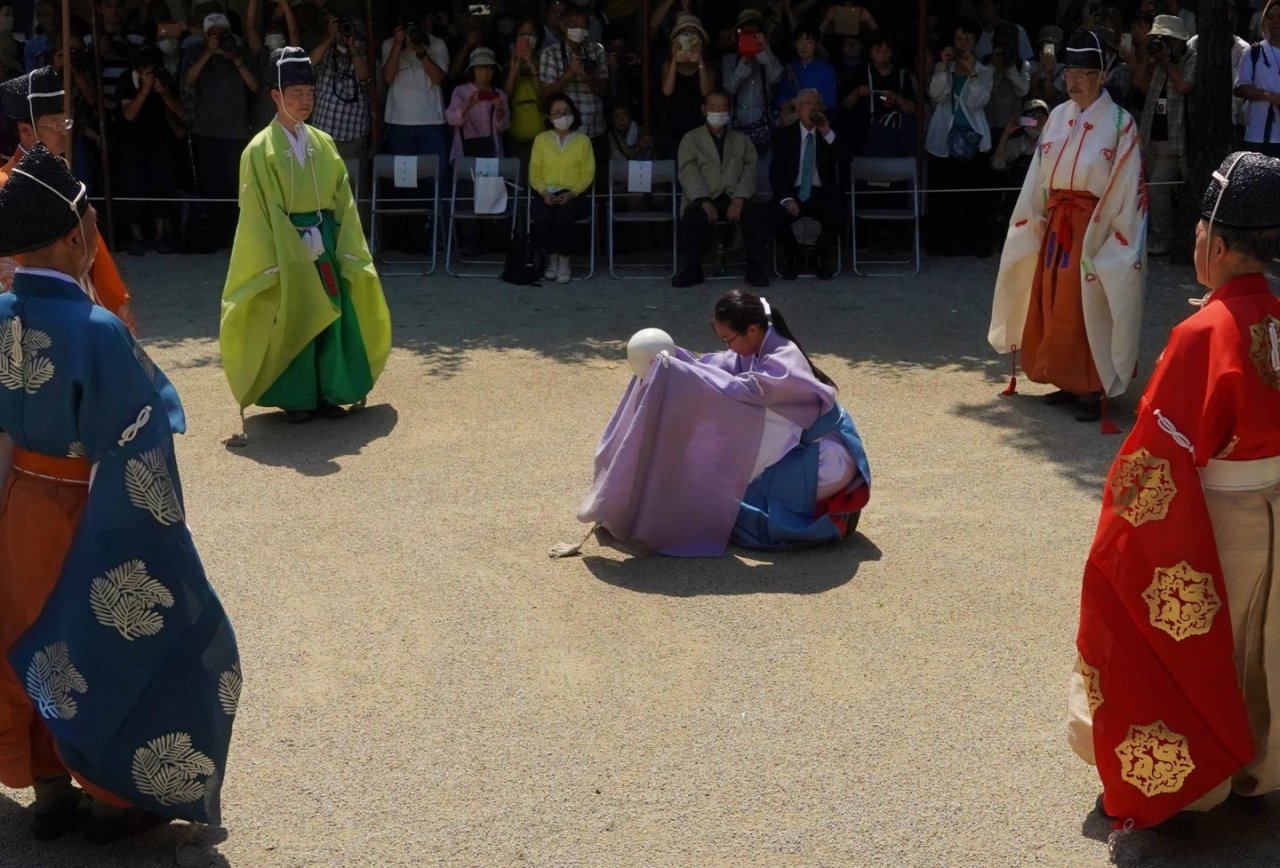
1245	526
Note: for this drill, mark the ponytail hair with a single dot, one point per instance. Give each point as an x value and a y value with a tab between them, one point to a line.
739	309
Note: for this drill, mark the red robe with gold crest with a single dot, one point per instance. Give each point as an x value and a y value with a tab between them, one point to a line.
1155	637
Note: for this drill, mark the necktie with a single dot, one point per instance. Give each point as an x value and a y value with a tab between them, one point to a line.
806	168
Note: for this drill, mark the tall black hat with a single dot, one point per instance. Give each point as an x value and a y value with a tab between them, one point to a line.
41	202
1244	193
291	65
32	96
1090	48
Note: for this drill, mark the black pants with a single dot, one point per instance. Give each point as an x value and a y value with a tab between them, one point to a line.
553	229
824	205
146	172
695	229
218	174
957	222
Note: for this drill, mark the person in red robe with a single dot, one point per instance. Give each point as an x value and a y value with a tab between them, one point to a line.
1175	696
35	103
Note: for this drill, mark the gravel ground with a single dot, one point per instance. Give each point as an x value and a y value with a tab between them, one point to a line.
425	687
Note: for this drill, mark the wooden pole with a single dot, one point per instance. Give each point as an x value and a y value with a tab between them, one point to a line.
646	49
68	81
104	143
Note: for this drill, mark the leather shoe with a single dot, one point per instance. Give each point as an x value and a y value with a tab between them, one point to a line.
1060	397
756	277
46	825
297	417
330	411
688	277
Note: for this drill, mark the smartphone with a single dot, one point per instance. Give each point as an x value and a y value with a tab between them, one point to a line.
524	46
750	43
845	20
486	95
1026	121
1126	42
169	30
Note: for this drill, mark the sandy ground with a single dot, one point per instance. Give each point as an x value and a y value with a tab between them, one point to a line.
425	687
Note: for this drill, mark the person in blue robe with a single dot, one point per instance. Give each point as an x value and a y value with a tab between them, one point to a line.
122	668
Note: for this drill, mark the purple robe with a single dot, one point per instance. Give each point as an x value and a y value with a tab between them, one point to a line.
677	456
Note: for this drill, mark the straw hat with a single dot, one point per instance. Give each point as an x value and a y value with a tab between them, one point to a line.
685	21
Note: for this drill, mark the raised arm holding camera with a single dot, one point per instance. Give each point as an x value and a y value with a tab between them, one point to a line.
342	107
414	61
151	112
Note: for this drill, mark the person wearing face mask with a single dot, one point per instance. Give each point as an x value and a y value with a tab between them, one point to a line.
305	326
343	80
95	552
1178	626
34	103
579	69
562	169
1073	271
717	166
281	30
522	88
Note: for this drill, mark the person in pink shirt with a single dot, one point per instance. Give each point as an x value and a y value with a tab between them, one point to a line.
478	112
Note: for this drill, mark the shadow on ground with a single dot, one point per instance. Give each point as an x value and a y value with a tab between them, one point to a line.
897	326
273	441
805	571
1222	838
181	844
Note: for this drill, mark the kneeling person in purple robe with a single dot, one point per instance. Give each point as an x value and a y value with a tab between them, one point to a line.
748	445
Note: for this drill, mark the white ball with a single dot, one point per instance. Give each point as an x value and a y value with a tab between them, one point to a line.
644	346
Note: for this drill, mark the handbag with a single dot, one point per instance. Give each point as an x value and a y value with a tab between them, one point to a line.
524	261
962	142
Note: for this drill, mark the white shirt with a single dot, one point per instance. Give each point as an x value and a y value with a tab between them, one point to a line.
1265	76
49	272
804	138
297	142
413	100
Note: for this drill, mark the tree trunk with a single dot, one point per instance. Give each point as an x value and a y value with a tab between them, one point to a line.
1209	116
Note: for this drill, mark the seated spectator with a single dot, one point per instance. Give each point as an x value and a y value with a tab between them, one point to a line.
872	96
626	142
222	82
522	90
151	115
414	61
561	171
342	107
578	68
687	78
807	71
281	30
1166	79
1048	83
958	134
478	111
750	72
1258	81
805	175
717	167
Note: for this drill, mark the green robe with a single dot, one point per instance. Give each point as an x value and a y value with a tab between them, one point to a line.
297	330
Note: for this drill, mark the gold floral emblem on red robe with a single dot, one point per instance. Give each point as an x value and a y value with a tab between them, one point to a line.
1092	683
1264	350
1155	759
1142	487
1182	601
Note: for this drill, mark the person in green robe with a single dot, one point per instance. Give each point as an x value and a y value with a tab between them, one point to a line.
305	326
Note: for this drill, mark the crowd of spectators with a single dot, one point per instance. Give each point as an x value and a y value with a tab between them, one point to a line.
178	88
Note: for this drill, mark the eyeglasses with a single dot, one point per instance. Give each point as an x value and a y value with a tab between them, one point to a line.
728	342
63	126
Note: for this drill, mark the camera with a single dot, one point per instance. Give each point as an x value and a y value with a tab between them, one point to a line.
1157	45
225	41
480	9
1007	56
417	33
590	66
346	26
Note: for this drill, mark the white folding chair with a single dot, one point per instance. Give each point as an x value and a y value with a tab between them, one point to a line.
384	168
664	172
585	221
463	209
880	173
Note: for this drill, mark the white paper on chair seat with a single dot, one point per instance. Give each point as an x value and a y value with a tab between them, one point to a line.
640	176
491	189
406	171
